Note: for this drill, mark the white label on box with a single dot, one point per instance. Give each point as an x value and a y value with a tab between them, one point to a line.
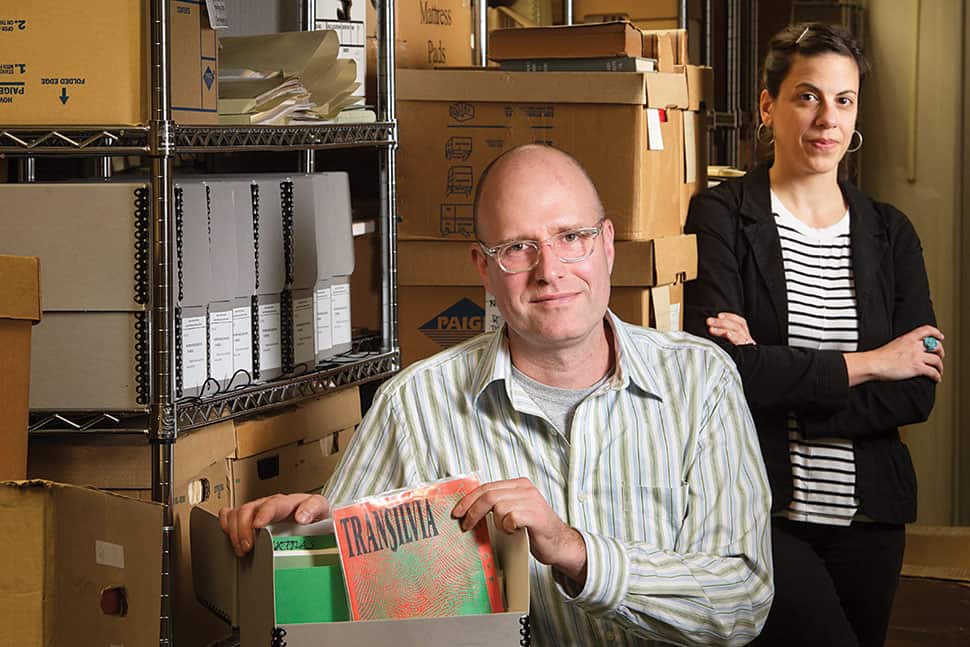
217	14
220	335
341	314
655	139
322	307
303	332
242	339
493	317
690	148
349	32
193	352
108	554
270	346
675	316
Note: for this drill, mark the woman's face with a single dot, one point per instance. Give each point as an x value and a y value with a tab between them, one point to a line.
814	114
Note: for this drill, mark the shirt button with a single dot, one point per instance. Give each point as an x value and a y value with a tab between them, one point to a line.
611	636
582	497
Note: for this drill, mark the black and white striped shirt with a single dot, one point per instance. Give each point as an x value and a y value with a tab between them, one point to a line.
822	315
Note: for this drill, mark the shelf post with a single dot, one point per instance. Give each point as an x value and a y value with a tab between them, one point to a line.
162	342
387	161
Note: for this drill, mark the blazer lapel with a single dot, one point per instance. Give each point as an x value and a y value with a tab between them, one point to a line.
759	228
869	249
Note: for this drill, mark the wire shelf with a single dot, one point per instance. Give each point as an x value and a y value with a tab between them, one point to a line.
197	139
39	140
358	368
134	140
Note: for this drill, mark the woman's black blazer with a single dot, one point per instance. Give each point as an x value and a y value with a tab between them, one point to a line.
740	270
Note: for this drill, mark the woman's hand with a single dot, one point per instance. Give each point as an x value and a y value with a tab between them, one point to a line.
902	358
731	327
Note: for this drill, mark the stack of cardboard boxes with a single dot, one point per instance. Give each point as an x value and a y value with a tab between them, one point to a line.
71	66
646	15
220	465
641	137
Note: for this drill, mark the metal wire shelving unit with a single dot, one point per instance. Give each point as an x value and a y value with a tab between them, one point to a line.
160	141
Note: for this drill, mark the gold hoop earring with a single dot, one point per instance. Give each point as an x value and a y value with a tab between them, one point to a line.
851	149
762	127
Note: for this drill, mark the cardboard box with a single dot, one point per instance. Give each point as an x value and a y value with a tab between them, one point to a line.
98	72
635	9
931	602
19	310
427	34
256	598
318	459
330	413
442	302
79	567
453	123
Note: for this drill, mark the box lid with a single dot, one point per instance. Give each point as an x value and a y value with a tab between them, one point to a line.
195	274
652	89
89	236
222	240
270	255
20	291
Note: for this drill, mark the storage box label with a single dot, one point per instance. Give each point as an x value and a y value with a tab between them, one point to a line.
242	339
270	346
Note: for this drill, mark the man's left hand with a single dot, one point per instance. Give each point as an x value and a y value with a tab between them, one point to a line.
518	504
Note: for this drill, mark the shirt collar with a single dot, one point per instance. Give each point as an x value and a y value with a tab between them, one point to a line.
631	366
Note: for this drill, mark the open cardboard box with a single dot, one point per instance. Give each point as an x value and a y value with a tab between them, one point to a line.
216	567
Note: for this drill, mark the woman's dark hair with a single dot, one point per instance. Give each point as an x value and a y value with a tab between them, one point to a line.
808	39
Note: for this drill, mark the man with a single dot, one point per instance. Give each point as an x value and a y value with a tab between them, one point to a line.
627	454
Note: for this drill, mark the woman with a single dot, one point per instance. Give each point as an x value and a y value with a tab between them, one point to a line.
820	295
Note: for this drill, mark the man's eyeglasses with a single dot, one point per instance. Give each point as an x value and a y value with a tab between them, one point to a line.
570	246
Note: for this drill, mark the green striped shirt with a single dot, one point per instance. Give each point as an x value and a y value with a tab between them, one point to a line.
663	478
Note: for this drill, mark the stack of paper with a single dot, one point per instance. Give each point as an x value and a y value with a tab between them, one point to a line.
286	78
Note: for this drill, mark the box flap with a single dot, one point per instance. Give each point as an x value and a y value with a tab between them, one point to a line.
331	412
633	263
214	564
262	433
665	90
435	263
700	87
523	87
20	291
89	237
675	259
940	552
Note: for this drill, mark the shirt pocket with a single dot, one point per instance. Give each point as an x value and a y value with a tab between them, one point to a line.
654	515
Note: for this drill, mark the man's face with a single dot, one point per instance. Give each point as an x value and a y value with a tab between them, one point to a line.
555	305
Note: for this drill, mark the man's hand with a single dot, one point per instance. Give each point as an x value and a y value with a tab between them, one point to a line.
518	504
240	522
731	327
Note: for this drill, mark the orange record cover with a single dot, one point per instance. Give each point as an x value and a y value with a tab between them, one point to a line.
405	556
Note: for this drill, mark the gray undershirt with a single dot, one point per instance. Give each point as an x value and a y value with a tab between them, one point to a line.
559	405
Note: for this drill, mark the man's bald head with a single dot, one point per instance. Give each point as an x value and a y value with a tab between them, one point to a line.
531	165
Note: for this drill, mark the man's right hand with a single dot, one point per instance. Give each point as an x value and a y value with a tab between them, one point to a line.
239	522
